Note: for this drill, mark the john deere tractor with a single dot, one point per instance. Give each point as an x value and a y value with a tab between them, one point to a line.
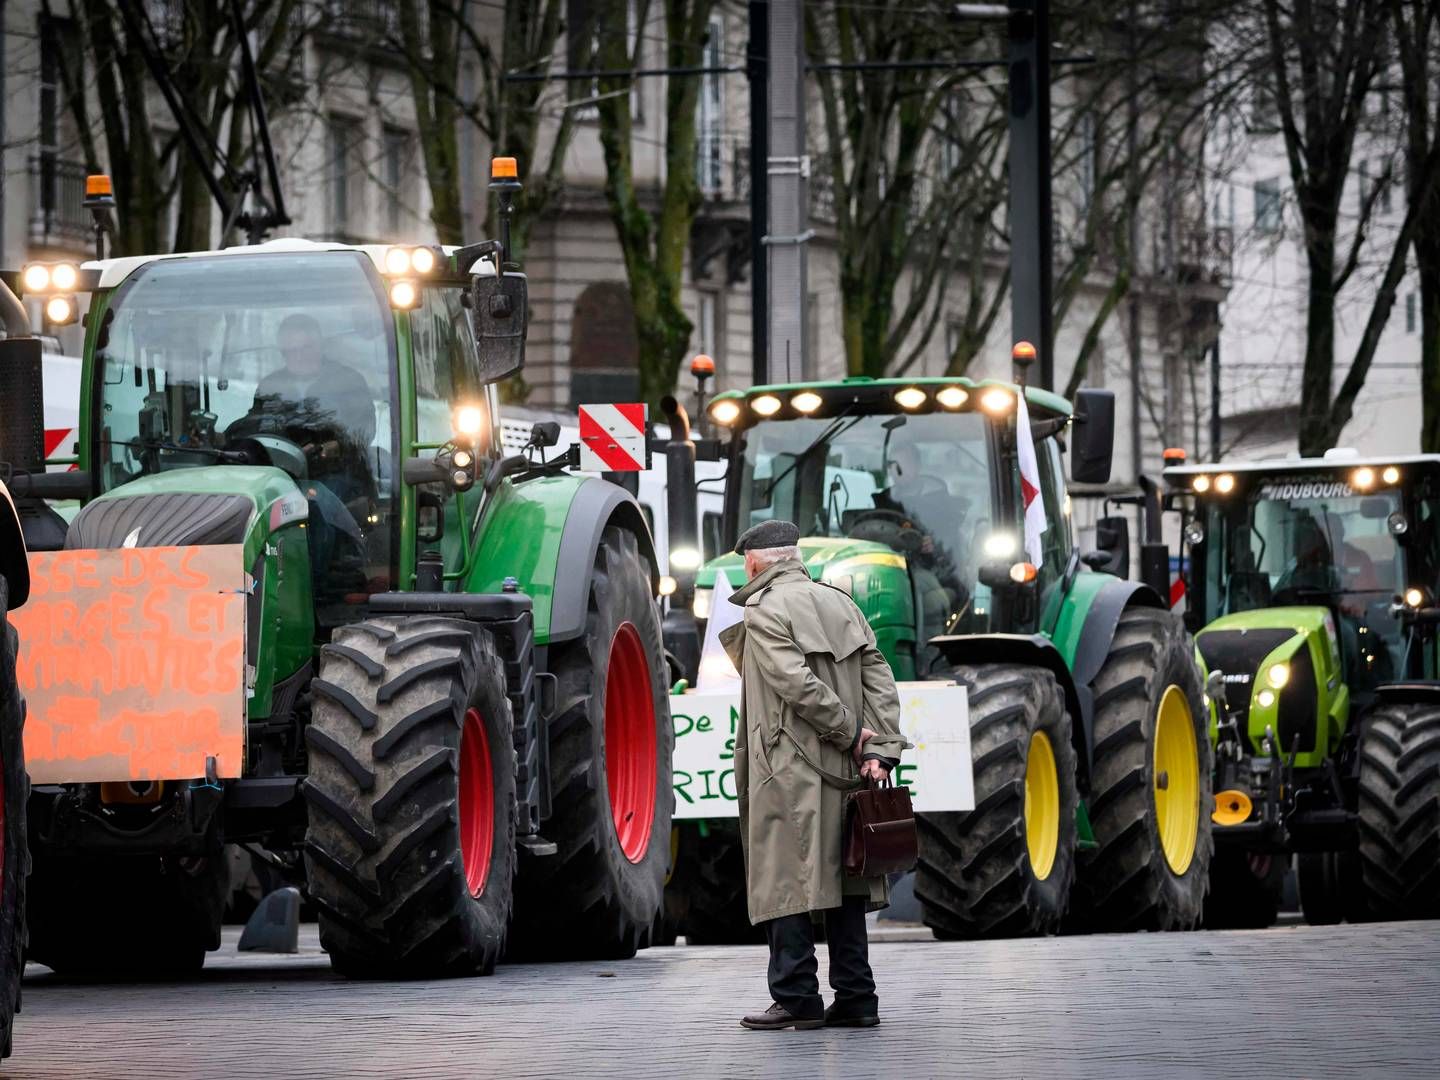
456	735
1086	712
1312	587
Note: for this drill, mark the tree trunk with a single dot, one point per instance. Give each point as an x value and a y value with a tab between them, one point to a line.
1315	389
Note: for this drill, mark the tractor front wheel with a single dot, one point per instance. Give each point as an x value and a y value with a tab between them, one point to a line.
611	739
1005	868
410	851
1400	810
1150	784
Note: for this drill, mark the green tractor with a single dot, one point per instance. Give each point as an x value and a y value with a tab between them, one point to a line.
456	733
1312	588
1087	716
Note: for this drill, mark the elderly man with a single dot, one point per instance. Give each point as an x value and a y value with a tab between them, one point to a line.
819	712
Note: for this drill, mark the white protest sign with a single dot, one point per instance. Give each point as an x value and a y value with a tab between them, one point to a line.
933	716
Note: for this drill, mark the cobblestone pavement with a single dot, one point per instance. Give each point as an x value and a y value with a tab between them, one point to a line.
1288	1002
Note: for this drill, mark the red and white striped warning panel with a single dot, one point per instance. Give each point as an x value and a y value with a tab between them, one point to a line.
612	438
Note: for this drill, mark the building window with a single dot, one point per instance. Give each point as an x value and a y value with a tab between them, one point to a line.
1410	313
604	348
710	109
346	136
397	174
1267	207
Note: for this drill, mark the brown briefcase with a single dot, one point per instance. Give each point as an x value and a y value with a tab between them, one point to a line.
880	833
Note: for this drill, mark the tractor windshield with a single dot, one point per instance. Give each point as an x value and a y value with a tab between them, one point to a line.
1313	542
919	483
283	358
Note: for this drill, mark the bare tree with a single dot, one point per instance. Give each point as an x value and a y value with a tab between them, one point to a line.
1417	38
111	100
1320	61
653	231
438	38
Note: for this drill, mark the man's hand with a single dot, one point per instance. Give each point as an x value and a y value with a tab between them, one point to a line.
865	736
874	770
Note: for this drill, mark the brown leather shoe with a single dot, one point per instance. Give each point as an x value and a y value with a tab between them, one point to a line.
777	1018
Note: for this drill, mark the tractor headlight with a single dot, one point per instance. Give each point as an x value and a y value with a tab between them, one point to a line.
64	277
35	277
1194	533
766	404
1279	675
668	585
1000	545
807	401
684	558
469	422
952	397
60	310
1363	478
404	295
701	607
997	401
725	412
911	397
1265	698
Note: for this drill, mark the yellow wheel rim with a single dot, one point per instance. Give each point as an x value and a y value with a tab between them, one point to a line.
1176	779
1042	805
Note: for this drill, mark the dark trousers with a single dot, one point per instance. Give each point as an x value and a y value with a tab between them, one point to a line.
793	981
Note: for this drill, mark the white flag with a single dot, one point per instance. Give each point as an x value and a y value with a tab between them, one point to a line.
1029	483
716	670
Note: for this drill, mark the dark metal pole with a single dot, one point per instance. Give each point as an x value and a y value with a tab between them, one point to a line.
1030	216
757	68
1215	398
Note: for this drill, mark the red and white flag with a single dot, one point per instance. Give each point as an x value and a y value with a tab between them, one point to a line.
1029	482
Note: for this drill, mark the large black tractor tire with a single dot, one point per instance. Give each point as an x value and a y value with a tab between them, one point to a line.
161	913
410	849
15	853
706	892
1151	867
611	741
1330	887
976	875
1400	810
1245	889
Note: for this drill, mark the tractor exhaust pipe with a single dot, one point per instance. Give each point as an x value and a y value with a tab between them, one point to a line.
682	634
1154	555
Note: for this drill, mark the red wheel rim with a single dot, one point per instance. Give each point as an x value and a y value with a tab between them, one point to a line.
477	803
631	773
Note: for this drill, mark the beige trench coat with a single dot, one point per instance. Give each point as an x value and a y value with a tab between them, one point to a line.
811	676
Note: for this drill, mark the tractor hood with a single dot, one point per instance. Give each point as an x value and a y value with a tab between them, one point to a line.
875	576
824	556
1282	671
220	504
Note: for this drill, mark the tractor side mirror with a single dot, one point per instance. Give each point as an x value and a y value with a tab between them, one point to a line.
1092	436
1112	538
22	404
500	314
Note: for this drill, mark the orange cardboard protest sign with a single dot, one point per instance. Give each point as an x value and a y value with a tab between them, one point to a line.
132	663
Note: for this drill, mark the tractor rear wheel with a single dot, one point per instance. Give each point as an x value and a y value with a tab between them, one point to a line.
611	741
14	852
1245	889
160	917
410	850
709	887
1150	783
1400	810
1005	868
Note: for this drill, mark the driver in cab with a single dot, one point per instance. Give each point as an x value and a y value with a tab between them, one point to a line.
323	402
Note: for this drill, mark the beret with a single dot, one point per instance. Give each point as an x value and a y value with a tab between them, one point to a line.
768	534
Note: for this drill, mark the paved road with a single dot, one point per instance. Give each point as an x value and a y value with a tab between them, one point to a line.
1288	1002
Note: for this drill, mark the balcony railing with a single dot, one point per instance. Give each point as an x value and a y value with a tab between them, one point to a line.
1200	255
57	196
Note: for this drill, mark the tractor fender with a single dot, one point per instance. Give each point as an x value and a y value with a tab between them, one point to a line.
1098	630
14	567
1036	650
1409	692
596	506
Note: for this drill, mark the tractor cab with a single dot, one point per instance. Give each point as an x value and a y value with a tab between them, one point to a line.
1348	539
907	497
219	382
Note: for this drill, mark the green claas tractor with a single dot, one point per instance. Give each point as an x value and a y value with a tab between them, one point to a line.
1312	588
1086	709
456	734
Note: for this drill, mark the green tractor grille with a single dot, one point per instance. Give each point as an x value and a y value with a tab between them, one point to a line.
1239	654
